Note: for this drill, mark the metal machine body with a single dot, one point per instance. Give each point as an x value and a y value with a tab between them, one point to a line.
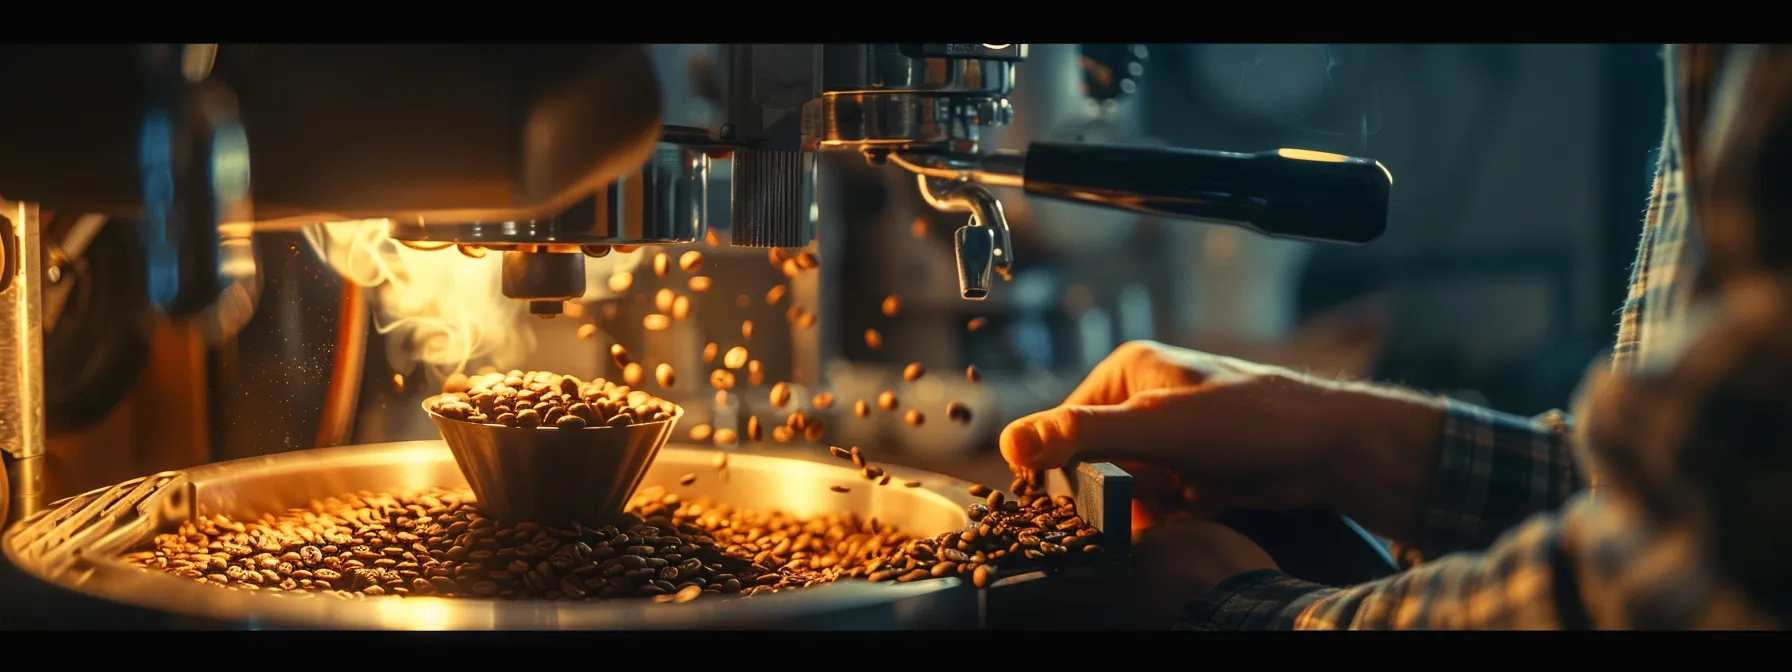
545	156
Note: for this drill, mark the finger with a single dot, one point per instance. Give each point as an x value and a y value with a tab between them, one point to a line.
1142	429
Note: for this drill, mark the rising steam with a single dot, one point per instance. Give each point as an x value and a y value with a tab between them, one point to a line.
441	309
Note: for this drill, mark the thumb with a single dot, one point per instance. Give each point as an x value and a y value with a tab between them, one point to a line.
1049	439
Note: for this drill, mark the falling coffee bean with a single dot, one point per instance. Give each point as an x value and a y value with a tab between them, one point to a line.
736	358
887	400
892	305
687	479
709	352
700	433
840	488
913	371
861	409
661	264
823	401
914	418
874	340
977	323
691	261
663	375
958	412
780	395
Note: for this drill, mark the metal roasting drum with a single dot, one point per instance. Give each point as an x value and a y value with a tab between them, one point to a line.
78	543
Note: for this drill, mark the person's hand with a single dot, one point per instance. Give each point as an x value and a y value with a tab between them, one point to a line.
1212	433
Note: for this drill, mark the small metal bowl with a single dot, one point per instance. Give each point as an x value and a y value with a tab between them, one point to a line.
549	475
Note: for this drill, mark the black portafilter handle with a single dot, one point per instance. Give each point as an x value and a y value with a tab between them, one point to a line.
1286	193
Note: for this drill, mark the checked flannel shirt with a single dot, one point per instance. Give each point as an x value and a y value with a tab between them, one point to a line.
1537	539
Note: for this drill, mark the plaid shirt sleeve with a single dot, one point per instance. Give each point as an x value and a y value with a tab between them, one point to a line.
1602	561
1493	471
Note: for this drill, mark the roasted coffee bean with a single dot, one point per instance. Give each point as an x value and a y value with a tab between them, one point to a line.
726	437
914	418
874	340
657	321
746	330
633	374
775	294
721	461
700	433
861	409
618	354
752	428
663	375
839	452
721	379
892	305
699	284
691	261
980	490
887	400
687	479
872	473
661	264
913	371
709	352
977	323
780	395
857	456
435	542
911	484
823	401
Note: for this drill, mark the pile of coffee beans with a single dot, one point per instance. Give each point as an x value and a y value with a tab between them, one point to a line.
436	543
547	400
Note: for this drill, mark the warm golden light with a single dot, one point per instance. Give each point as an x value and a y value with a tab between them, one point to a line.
1310	155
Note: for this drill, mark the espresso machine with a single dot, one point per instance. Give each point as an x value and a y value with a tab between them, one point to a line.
158	185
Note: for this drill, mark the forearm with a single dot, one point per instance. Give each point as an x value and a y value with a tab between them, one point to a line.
1442	475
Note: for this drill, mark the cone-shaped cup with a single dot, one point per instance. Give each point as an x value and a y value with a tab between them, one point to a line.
553	476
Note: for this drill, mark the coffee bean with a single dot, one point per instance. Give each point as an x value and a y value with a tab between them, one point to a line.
435	542
709	352
914	418
775	294
874	340
857	456
911	484
892	305
663	375
721	379
699	284
657	321
958	412
726	437
887	400
839	452
823	401
752	428
861	409
661	264
691	261
687	479
977	323
980	490
619	355
808	260
746	329
780	395
700	433
736	358
913	371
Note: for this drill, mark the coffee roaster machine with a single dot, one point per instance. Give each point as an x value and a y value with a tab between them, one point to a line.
541	161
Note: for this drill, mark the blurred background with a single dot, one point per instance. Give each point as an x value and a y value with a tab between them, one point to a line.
1520	178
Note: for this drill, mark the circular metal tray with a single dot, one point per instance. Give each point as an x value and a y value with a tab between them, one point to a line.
77	543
